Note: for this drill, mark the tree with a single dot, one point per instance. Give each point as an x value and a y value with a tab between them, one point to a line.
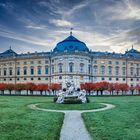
138	88
30	87
2	87
55	87
88	87
101	86
19	87
132	88
9	87
123	87
42	87
117	87
111	88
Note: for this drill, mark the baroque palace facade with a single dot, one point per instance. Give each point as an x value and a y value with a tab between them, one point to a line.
70	59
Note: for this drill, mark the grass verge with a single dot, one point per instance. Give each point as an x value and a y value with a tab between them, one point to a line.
17	122
120	123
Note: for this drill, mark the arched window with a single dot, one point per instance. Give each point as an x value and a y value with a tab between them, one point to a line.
39	70
10	71
46	70
109	70
25	70
137	71
95	70
124	70
102	70
89	69
60	67
131	70
18	70
5	71
71	67
52	69
81	68
32	70
117	70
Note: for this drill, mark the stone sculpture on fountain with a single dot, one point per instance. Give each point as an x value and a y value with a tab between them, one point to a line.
71	94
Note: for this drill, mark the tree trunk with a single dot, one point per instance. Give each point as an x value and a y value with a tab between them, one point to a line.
101	92
10	92
27	92
89	92
97	93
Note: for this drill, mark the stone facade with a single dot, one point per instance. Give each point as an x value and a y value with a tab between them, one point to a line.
70	59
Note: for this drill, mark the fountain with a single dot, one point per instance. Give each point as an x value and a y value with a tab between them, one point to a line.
71	95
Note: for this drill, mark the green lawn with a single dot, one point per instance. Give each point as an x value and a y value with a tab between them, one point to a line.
86	106
120	123
17	122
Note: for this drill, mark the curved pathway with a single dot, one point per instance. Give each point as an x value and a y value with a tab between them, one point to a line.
73	126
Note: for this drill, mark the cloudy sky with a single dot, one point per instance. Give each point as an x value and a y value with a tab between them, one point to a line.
38	25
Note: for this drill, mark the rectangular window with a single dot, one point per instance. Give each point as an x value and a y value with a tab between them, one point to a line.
46	62
25	63
117	62
124	63
39	62
95	62
110	62
32	62
110	78
18	63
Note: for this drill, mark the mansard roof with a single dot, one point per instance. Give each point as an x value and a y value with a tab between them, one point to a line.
132	53
8	53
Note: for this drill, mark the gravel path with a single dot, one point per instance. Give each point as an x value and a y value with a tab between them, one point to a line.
73	126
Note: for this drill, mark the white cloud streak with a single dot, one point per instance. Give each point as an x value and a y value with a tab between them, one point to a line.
126	10
63	23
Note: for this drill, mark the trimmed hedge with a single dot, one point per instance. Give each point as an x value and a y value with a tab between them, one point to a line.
71	100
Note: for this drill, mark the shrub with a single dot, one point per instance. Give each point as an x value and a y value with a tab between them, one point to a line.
55	99
88	101
72	101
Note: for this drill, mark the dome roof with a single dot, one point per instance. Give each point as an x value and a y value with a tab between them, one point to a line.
71	44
